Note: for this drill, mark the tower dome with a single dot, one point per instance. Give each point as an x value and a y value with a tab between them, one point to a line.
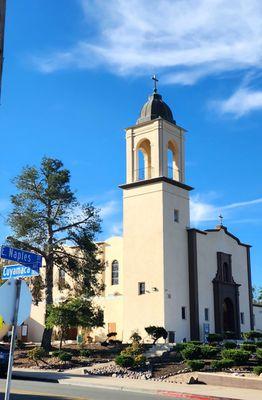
155	107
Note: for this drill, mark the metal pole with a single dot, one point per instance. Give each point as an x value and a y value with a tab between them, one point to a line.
13	338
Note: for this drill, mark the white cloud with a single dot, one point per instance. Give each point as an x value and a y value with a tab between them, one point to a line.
202	210
242	102
183	39
109	208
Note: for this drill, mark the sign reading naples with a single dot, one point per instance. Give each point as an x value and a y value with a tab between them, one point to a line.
22	257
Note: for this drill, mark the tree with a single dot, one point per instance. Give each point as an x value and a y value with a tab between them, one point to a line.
72	313
156	332
46	217
257	295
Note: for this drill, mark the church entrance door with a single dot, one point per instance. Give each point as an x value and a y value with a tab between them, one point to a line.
228	316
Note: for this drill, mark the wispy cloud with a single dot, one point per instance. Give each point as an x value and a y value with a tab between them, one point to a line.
203	210
184	39
241	102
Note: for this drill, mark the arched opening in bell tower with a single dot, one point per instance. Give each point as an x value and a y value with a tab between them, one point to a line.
143	160
172	161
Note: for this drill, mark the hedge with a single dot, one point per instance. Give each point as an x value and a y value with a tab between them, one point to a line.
209	351
214	337
240	357
196	365
218	365
191	352
249	347
125	361
257	370
230	345
259	354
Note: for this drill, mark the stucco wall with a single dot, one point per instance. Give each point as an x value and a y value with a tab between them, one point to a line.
207	247
257	310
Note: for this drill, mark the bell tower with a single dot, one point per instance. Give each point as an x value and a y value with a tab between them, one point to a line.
155	221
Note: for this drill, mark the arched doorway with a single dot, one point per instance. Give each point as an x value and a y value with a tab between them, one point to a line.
228	316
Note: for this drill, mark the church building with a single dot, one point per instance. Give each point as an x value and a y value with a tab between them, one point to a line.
163	271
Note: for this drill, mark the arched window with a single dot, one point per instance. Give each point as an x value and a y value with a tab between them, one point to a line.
143	161
115	273
172	161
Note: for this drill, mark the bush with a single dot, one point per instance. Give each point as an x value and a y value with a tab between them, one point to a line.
230	345
209	351
140	359
56	353
20	345
111	334
64	356
125	361
156	332
257	370
191	352
135	337
230	335
240	357
195	342
196	365
259	344
134	350
180	346
253	335
36	354
214	337
249	347
84	353
259	354
218	365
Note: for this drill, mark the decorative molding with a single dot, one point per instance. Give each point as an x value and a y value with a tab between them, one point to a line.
155	180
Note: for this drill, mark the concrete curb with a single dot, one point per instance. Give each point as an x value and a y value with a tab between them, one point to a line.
180	395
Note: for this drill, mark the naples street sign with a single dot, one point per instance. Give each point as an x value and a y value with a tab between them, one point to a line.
27	258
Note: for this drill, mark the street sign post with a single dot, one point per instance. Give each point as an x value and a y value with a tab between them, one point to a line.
22	257
18	271
17	309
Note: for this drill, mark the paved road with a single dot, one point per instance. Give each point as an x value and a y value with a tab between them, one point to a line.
29	390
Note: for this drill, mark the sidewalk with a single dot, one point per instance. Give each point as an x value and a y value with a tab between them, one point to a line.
193	392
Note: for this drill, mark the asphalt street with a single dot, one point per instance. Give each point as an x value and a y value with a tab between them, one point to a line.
30	390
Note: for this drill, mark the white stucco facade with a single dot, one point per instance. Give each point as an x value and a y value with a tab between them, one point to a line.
162	271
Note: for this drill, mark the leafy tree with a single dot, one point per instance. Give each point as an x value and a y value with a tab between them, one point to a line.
156	332
257	295
46	217
72	313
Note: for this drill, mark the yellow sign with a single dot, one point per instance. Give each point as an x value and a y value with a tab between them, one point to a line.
1	322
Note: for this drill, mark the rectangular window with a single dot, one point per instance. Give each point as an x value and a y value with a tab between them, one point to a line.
141	287
242	318
206	314
183	312
176	215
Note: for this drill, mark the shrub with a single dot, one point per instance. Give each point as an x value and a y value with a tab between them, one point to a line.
257	370
259	344
253	335
56	353
209	351
156	332
191	352
180	346
214	337
135	337
140	359
111	334
259	354
230	335
230	345
134	350
20	345
125	360
249	347
218	365
64	356
196	365
195	342
84	353
240	357
36	354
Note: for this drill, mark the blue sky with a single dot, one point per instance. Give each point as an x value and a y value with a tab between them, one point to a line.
76	73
